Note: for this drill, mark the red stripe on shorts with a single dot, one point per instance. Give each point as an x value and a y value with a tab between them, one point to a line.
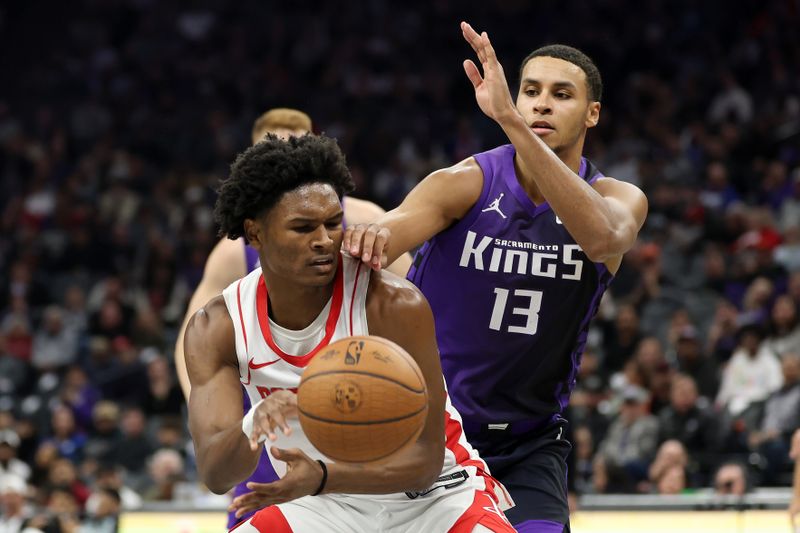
483	511
270	520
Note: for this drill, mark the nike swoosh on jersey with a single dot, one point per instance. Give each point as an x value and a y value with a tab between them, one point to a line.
255	366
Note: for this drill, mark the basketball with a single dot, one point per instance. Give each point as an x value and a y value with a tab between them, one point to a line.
361	399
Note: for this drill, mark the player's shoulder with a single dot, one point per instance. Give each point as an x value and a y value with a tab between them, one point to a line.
209	321
391	297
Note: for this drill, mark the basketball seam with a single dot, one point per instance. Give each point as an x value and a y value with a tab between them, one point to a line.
364	373
404	443
363	423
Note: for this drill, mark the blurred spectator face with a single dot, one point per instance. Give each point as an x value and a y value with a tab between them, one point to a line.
9	442
108	478
46	454
110	315
784	313
12	494
53	320
165	466
730	479
627	320
749	341
672	481
634	403
539	101
790	364
62	501
63	421
62	473
105	416
683	395
649	353
169	436
133	423
717	176
688	346
74	298
103	503
158	370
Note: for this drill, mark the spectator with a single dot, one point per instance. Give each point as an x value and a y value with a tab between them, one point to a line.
9	463
781	418
166	470
731	479
102	509
687	421
632	438
54	346
693	362
66	436
13	496
751	375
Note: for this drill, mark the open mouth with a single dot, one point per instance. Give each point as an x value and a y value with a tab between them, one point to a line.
322	263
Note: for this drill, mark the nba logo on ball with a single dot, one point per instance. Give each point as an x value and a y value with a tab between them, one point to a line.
362	400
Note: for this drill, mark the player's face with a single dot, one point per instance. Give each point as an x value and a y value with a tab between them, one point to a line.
554	101
299	238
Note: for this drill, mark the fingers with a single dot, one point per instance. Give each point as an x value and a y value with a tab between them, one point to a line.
474	40
473	73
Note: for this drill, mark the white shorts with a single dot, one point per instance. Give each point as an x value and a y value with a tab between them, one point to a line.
442	510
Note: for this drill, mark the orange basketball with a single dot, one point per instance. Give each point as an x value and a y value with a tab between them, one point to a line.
361	399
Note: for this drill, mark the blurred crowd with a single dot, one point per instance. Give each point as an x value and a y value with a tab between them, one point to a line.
118	118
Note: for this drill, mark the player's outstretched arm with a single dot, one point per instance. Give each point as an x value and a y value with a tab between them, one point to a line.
439	200
603	220
224	454
363	212
225	264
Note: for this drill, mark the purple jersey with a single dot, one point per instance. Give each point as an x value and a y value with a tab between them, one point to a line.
512	295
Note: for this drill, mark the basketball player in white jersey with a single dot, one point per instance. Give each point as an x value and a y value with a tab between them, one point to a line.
229	259
284	198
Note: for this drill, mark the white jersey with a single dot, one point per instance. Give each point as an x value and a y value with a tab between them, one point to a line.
273	358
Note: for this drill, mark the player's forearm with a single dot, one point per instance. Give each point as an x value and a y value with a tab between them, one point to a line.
225	459
416	469
582	210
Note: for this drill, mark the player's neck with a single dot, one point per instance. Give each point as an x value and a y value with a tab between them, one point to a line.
293	306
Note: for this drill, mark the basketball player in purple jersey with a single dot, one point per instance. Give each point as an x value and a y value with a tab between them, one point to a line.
522	241
232	259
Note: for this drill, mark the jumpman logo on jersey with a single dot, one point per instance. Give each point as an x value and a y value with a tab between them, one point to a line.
495	205
558	220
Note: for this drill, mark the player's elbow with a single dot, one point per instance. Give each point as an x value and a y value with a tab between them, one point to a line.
606	245
214	483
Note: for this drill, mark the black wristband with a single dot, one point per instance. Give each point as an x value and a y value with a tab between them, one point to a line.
324	478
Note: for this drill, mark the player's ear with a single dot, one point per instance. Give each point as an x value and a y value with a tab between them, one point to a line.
252	231
592	114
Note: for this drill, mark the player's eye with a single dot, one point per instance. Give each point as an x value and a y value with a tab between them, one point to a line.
531	92
304	229
333	225
562	95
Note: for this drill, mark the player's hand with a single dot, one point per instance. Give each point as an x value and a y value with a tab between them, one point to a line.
271	415
303	477
367	241
491	89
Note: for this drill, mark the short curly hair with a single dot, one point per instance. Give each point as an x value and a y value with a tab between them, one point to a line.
264	172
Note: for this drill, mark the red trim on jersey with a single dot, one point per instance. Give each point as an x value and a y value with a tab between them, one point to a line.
484	511
353	296
269	520
453	432
241	321
330	326
241	318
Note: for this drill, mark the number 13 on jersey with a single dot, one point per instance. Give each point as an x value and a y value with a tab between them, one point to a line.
531	304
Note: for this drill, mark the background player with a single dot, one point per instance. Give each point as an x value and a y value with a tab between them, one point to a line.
513	283
232	259
285	197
